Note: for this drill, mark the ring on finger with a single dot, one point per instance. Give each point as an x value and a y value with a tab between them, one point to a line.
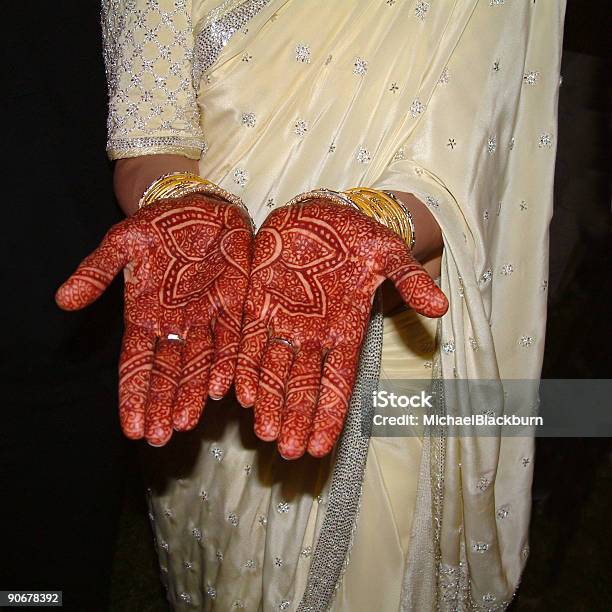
283	341
175	338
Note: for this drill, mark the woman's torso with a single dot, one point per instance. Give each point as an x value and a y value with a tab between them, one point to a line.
309	94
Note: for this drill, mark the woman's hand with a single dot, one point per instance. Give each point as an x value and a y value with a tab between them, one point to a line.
186	264
316	266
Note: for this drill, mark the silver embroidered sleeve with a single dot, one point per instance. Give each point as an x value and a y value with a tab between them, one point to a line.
148	55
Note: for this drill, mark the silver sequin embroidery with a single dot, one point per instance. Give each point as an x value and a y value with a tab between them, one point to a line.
248	119
302	53
416	108
219	27
483	484
480	547
241	177
502	512
449	347
400	154
421	9
431	201
486	276
300	128
545	141
217	453
363	156
360	67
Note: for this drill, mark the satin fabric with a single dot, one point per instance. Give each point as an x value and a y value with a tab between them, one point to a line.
373	578
455	102
236	525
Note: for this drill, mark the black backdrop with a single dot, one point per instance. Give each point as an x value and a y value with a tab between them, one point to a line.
62	453
63	458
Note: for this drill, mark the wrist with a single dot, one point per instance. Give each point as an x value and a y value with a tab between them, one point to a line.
133	175
429	242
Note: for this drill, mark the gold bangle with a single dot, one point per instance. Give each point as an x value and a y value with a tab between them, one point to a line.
407	215
178	184
382	206
326	194
387	209
170	185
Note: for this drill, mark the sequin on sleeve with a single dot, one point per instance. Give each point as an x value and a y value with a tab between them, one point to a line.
148	54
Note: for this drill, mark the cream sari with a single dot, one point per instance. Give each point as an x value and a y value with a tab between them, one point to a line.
454	101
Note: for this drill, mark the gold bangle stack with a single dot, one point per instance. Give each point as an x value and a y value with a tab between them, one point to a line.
179	184
386	208
383	206
173	185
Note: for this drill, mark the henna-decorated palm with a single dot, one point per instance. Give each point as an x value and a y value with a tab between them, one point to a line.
186	264
315	270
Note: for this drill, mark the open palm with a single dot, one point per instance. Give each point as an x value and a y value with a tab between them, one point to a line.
186	266
315	270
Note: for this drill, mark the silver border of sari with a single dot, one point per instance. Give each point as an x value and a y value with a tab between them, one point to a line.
217	30
331	553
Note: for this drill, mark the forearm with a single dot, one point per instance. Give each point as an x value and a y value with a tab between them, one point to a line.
133	175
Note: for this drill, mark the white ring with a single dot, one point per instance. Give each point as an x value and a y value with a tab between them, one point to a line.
283	341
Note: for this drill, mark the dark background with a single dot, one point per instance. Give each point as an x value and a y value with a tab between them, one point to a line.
72	515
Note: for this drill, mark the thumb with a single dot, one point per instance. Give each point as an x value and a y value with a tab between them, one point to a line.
95	272
414	283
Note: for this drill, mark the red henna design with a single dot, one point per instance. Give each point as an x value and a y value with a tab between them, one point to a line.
186	264
316	267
